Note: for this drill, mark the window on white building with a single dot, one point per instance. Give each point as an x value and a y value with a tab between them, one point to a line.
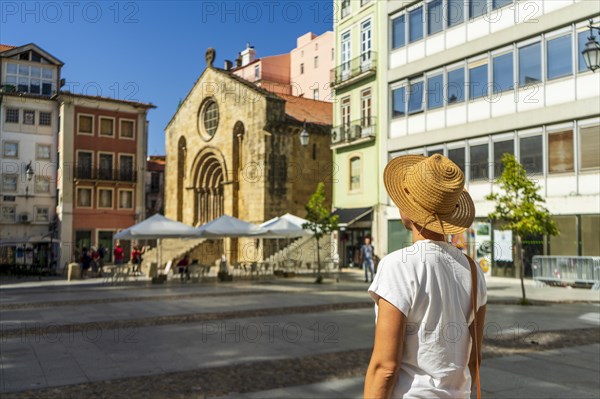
42	184
478	162
10	183
316	62
456	12
315	94
302	69
45	118
9	214
12	115
415	26
399	32
559	57
256	71
501	148
503	76
42	214
530	64
30	79
43	152
10	149
478	81
457	155
415	96
435	17
28	117
477	8
399	102
500	3
531	154
455	86
435	91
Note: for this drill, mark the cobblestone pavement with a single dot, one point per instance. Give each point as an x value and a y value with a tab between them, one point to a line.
197	341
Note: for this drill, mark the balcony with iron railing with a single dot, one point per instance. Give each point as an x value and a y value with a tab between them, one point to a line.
105	174
359	131
354	70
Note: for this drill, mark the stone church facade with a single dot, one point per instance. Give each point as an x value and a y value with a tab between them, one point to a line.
234	148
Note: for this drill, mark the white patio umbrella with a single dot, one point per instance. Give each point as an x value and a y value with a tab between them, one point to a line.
282	227
228	227
156	227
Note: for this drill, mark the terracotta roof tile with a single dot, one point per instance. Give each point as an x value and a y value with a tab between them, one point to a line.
313	111
5	47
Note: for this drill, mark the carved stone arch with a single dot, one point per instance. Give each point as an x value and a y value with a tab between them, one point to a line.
209	173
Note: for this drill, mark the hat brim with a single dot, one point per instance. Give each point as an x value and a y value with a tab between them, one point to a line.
456	222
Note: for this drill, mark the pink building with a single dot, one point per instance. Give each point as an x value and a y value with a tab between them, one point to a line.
311	63
305	71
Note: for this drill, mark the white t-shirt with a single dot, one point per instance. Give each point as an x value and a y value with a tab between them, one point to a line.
430	283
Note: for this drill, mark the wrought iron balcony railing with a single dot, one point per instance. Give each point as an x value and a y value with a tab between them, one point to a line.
364	65
120	175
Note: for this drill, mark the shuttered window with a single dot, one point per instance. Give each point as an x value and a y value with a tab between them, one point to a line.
560	152
589	137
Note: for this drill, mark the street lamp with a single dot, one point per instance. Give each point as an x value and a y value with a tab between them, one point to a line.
591	53
29	171
304	135
29	174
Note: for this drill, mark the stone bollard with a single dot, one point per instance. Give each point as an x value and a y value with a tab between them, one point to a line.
74	271
152	269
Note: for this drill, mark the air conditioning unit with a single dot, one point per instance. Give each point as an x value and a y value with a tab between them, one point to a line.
24	218
336	135
355	132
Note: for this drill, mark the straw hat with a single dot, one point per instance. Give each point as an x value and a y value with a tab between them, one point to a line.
430	192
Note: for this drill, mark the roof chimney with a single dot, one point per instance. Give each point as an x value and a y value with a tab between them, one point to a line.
228	65
248	55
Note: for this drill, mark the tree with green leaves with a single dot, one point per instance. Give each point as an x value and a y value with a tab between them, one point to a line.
521	208
319	221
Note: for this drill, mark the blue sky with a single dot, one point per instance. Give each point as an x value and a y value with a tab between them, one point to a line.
153	51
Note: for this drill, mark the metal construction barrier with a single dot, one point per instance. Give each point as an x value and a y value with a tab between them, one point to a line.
567	270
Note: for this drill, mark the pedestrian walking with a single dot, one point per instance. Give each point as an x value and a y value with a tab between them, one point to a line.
430	286
366	259
118	255
136	259
100	253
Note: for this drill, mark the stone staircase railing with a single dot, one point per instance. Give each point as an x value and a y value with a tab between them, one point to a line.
171	249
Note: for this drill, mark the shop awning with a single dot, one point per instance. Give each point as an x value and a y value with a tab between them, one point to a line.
348	216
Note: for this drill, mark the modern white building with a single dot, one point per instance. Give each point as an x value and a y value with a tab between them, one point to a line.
474	79
28	124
